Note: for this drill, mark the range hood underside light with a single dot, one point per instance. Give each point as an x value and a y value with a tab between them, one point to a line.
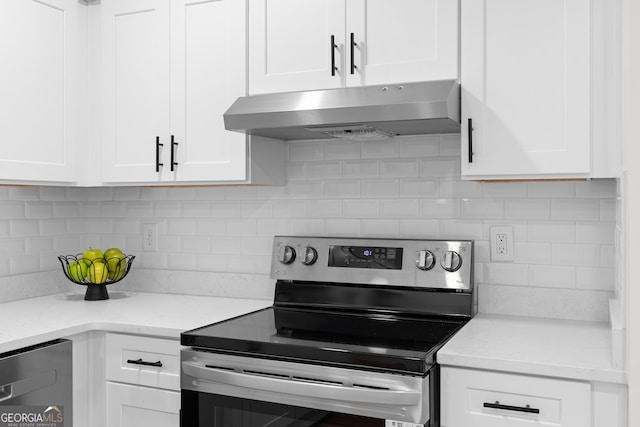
354	133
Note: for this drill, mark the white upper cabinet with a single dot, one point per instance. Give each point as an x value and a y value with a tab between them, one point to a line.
320	44
41	86
170	70
528	83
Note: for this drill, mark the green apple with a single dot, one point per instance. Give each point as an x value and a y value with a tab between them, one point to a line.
77	270
92	255
116	263
97	273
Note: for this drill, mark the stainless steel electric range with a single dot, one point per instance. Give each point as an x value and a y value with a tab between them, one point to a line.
350	340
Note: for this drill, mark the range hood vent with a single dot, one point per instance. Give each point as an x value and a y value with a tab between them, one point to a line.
356	113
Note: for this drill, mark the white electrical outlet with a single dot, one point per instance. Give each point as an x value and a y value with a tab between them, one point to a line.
150	237
501	243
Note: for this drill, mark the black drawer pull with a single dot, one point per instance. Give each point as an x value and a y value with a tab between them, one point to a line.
158	145
470	141
333	55
498	405
157	364
174	144
353	48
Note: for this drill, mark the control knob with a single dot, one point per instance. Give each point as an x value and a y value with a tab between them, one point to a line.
286	254
309	256
451	261
425	260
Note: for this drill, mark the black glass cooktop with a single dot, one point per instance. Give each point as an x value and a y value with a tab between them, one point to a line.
361	340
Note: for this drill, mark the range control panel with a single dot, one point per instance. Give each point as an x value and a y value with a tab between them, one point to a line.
442	264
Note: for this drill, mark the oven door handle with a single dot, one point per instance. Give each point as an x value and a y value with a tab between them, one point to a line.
302	388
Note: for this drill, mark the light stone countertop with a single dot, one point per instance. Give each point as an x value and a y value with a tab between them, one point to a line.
588	351
35	320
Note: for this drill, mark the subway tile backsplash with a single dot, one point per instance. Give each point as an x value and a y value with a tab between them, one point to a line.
564	231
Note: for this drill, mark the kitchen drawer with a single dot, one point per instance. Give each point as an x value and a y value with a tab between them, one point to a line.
467	392
131	359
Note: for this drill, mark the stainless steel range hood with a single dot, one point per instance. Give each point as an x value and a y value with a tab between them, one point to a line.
369	112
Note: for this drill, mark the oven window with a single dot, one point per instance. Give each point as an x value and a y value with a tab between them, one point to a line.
211	410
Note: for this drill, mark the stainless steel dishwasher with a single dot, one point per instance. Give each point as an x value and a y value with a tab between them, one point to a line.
36	383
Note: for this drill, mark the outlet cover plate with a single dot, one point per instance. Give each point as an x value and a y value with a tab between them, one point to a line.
501	243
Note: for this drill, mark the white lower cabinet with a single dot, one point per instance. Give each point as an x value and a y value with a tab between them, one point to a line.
475	398
132	406
143	381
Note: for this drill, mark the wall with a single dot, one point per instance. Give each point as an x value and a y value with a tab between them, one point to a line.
217	240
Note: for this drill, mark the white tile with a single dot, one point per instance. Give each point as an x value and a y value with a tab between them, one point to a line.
419	188
12	210
482	251
244	264
343	227
50	227
126	193
380	188
607	256
24	193
182	261
308	227
445	167
296	171
361	168
401	168
595	278
504	189
211	227
112	209
52	193
181	226
139	209
210	193
532	253
257	246
456	229
506	274
22	228
124	225
384	149
306	190
552	276
595	232
167	209
272	193
537	209
419	228
609	210
4	228
153	193
575	254
551	232
575	209
241	227
154	260
66	209
226	246
22	264
68	244
181	193
12	246
482	208
450	145
519	229
440	208
420	146
300	152
38	210
225	209
290	209
551	189
242	192
100	194
272	227
361	208
342	189
195	209
341	150
402	208
196	244
457	188
380	228
208	262
597	188
324	170
325	208
259	209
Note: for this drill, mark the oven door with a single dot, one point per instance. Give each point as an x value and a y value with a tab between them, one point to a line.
223	390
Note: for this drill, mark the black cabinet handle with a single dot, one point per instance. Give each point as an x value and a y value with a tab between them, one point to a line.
353	49
470	135
158	145
497	405
173	153
333	55
157	364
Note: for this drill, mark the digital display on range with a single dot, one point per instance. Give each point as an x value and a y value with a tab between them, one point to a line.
382	258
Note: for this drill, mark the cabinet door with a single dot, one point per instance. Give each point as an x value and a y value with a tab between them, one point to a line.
290	45
401	41
208	73
42	89
135	75
525	82
133	406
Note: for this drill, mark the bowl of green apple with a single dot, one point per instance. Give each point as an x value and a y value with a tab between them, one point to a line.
96	269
